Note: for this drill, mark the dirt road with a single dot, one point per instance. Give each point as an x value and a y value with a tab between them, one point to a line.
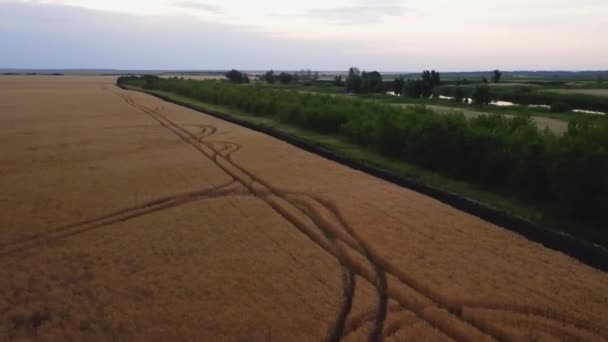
125	217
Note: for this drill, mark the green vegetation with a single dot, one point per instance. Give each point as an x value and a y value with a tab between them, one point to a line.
421	88
364	82
560	107
285	78
481	95
236	76
563	176
269	77
456	104
496	76
532	94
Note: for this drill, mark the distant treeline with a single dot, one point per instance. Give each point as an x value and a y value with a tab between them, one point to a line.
31	74
566	175
541	75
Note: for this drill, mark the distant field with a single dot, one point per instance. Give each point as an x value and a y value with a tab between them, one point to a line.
555	125
595	92
510	84
127	218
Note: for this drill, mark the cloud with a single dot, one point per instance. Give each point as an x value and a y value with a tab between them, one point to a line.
37	34
56	36
359	12
198	6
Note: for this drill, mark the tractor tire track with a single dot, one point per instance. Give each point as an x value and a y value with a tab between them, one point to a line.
227	148
457	310
116	217
244	178
272	198
380	277
337	331
115	213
349	286
468	331
359	320
577	330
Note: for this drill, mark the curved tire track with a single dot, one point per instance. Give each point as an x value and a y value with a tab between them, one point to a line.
243	176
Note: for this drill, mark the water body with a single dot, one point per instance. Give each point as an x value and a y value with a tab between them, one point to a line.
588	112
503	104
469	100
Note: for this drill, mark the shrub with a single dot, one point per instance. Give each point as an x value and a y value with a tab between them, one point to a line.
560	107
481	95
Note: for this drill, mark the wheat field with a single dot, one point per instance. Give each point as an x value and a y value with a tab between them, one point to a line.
128	218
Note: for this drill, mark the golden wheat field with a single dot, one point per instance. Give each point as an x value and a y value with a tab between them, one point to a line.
127	218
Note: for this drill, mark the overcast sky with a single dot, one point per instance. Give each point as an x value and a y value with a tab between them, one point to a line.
388	35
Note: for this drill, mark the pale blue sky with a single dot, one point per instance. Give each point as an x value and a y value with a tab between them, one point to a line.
398	35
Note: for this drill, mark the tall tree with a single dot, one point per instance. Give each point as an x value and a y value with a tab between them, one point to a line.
397	85
426	76
338	82
269	77
459	95
412	88
481	95
371	82
435	78
236	76
496	75
353	81
285	78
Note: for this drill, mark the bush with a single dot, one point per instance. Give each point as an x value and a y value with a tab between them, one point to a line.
236	76
560	107
481	95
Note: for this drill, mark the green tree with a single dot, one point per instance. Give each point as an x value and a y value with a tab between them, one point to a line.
285	78
435	78
371	82
236	76
431	77
560	107
459	94
397	85
270	77
496	76
338	81
412	88
353	81
481	95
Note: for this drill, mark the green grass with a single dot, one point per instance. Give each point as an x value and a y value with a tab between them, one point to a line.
390	99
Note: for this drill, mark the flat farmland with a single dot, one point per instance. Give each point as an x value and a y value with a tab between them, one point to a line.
128	218
594	92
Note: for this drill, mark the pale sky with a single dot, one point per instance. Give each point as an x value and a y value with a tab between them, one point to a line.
388	35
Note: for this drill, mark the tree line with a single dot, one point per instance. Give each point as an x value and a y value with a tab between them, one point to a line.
566	175
364	82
